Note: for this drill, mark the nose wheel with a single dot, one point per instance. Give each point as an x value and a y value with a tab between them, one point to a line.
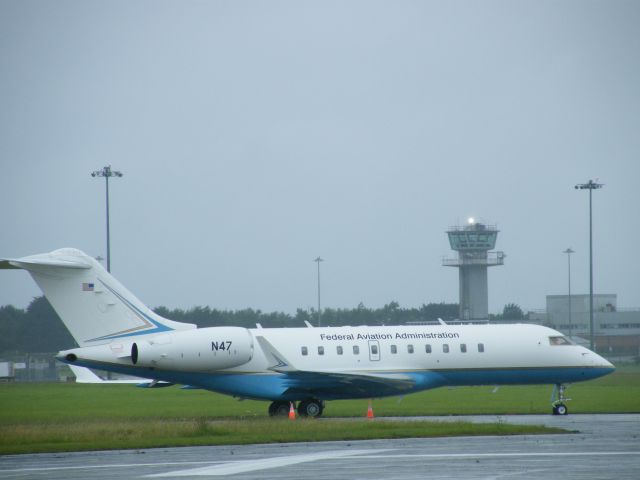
558	404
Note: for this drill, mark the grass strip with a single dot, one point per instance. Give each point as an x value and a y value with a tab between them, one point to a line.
40	403
142	433
58	417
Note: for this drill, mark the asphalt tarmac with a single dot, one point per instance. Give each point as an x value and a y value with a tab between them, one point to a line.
606	447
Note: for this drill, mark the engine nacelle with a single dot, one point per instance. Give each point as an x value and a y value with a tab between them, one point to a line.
198	350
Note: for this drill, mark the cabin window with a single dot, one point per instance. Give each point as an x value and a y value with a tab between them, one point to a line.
481	347
559	341
463	347
445	348
394	349
320	350
339	350
356	350
374	349
427	348
305	352
409	348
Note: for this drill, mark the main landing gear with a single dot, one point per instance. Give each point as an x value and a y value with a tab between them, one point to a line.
279	409
559	407
310	407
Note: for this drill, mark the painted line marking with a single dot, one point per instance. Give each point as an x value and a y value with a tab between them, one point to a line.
264	464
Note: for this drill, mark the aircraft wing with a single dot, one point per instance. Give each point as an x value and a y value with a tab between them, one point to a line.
336	384
330	384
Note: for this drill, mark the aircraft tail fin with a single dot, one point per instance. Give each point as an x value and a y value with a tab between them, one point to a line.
92	304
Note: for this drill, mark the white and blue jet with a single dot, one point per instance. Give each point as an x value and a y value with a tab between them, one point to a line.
116	332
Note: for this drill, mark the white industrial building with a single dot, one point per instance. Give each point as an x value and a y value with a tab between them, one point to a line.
616	331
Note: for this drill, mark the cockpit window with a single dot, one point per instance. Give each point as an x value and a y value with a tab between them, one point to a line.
559	341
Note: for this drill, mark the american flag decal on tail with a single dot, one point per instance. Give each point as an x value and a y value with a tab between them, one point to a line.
87	287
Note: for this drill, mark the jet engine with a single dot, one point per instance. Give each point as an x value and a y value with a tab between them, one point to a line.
198	350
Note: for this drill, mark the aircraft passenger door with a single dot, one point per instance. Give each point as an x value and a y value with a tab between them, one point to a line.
374	350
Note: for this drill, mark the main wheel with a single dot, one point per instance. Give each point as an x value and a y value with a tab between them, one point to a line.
279	409
562	409
310	408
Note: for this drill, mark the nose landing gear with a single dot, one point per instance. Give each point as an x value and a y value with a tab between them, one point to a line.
559	407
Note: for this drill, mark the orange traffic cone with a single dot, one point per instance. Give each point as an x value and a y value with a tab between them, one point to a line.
370	410
292	412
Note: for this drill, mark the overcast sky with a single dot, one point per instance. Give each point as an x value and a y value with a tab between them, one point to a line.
256	135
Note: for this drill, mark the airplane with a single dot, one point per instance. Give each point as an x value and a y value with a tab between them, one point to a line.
306	366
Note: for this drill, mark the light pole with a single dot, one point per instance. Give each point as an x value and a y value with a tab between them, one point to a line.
568	251
107	173
591	185
318	260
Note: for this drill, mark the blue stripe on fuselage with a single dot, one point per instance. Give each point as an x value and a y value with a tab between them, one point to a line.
523	376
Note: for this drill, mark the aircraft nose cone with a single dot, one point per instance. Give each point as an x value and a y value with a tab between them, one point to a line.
597	366
606	363
602	364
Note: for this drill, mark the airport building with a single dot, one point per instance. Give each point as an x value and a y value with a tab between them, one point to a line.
616	331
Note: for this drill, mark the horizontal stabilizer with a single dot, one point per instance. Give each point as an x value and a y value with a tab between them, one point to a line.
32	262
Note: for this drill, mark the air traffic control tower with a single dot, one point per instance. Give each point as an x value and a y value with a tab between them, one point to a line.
473	242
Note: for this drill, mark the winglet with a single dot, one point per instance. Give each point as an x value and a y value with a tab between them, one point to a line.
281	364
84	375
